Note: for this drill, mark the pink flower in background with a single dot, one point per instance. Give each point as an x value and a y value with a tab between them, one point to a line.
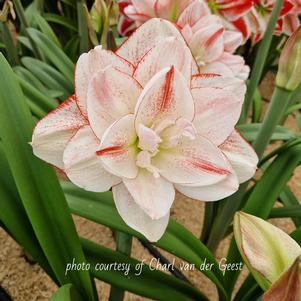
211	44
144	122
254	22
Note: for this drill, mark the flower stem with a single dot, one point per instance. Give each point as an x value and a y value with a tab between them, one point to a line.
276	110
124	246
260	60
208	219
230	205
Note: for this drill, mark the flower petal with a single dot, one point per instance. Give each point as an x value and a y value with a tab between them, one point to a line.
111	95
88	64
146	37
196	162
170	9
168	52
287	287
233	84
232	40
117	150
135	217
241	156
207	43
154	195
193	13
163	99
82	166
267	250
210	193
52	133
216	113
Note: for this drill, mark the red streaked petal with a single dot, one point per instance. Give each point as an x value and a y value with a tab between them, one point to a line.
162	99
118	150
52	133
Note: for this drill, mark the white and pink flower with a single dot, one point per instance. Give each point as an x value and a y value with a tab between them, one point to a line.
211	44
253	23
144	122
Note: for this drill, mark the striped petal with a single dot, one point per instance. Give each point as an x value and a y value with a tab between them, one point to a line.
168	52
162	99
112	94
196	162
145	38
52	133
89	64
117	150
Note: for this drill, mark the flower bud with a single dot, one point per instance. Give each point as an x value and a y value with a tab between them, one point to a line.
289	72
267	251
287	287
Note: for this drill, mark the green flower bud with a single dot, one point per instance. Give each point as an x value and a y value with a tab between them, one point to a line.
289	72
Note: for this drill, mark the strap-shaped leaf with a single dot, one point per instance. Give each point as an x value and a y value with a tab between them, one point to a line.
38	186
100	208
250	131
13	216
53	53
67	293
48	75
152	284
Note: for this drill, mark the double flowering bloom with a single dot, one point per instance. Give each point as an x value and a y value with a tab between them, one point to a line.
145	122
249	17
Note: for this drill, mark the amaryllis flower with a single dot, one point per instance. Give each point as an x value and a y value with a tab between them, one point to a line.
231	10
254	22
144	122
212	45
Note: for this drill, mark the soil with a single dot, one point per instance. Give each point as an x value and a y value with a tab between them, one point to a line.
26	281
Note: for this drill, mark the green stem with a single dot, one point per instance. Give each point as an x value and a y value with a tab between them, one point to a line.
21	14
124	246
260	60
230	205
84	44
276	110
208	219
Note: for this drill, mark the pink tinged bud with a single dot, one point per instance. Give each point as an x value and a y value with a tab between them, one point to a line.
289	72
267	251
287	287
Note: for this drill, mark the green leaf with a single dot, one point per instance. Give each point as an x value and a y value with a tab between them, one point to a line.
49	76
57	19
288	198
46	29
288	211
10	48
43	101
261	57
53	53
272	182
250	131
12	210
38	186
100	208
66	293
151	284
